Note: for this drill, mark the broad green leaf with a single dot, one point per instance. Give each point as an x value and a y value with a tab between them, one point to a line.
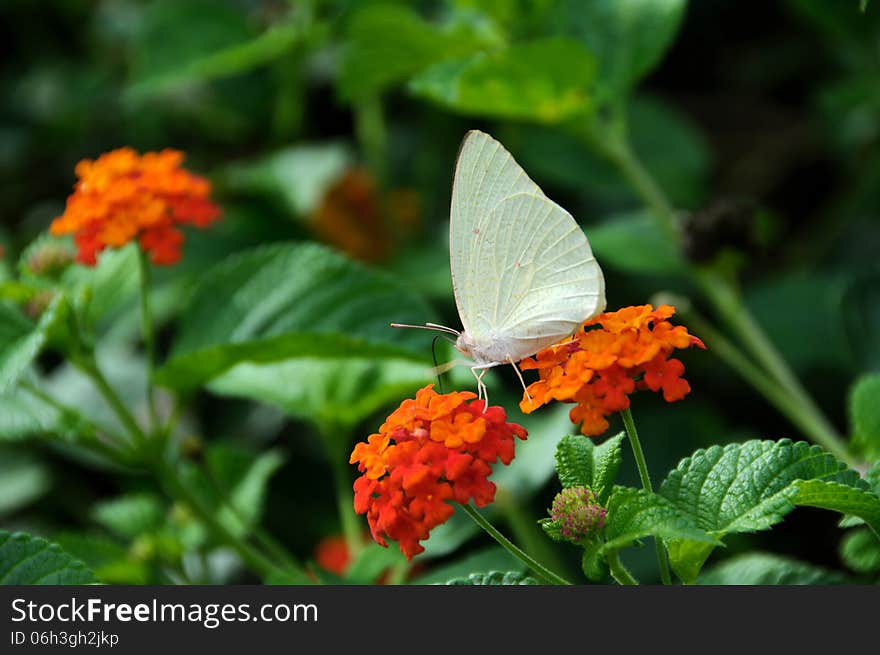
131	515
546	81
109	559
283	301
388	44
579	462
593	562
860	551
227	61
167	45
628	37
324	391
102	292
22	416
25	478
636	513
768	569
864	411
21	340
493	558
241	477
298	175
633	243
837	497
743	488
29	560
495	578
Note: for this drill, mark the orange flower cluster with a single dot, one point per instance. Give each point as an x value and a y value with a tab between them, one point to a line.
122	196
612	355
433	449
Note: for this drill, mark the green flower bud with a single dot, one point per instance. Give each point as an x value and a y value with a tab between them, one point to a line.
577	513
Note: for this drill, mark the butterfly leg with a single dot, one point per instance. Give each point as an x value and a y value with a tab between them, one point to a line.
482	392
519	375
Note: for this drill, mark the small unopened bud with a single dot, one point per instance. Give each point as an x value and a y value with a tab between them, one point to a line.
50	259
577	513
39	303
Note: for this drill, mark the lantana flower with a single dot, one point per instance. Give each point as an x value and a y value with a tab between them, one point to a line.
122	196
432	450
609	358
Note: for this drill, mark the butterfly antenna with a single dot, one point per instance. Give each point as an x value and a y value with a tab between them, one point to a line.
428	326
437	366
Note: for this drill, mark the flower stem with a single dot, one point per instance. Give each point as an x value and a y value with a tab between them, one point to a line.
618	571
779	396
642	465
539	569
110	450
723	296
89	366
174	487
335	444
148	334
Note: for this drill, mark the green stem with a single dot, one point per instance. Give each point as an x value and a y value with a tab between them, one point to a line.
254	559
148	334
91	440
526	531
736	316
89	366
539	569
348	520
780	397
720	292
642	465
618	150
618	571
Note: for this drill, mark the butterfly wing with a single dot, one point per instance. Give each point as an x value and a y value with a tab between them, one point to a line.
523	272
485	174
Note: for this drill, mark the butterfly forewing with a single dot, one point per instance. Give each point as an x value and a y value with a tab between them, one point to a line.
523	272
485	174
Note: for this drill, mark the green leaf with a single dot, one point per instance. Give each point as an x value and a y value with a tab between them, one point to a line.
25	479
494	578
547	81
768	569
131	515
299	175
860	551
22	340
633	243
628	37
593	562
864	411
29	560
227	61
636	513
745	488
108	558
324	391
493	558
22	416
242	478
579	462
291	300
102	292
388	44
842	498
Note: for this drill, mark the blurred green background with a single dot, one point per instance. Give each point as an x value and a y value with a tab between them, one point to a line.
338	121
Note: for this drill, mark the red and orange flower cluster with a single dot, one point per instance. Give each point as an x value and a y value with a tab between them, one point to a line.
612	355
433	449
122	196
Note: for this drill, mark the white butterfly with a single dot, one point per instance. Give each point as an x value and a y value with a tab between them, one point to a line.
523	273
